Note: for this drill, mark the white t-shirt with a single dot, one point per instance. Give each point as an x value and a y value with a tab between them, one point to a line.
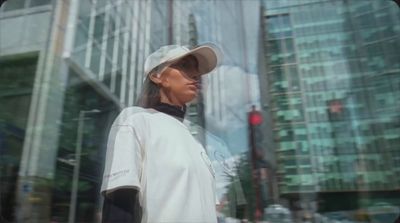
156	154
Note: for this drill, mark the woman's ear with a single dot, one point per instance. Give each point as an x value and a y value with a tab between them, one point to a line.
155	78
160	80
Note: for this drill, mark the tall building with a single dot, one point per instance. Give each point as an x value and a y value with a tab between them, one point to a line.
331	85
67	68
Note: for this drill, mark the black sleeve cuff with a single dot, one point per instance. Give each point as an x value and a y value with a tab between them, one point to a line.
122	206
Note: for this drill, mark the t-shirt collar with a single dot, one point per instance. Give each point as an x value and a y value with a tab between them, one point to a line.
172	110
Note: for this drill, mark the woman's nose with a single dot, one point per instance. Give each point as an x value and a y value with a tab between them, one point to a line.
196	77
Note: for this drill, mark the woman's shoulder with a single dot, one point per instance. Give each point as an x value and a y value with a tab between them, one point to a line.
132	115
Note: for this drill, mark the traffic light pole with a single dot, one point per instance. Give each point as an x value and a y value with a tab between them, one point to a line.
255	120
256	184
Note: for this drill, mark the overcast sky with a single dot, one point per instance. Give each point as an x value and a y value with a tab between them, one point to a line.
233	25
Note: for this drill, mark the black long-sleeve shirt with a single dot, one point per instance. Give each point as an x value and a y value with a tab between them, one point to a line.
122	206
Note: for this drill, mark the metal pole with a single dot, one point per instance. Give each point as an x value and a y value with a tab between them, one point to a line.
75	176
255	170
171	21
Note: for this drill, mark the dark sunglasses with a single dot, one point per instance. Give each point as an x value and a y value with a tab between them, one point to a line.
188	64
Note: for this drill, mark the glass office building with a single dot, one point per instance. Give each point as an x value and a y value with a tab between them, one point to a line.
324	73
70	66
332	86
67	67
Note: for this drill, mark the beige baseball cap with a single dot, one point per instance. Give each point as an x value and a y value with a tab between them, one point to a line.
208	56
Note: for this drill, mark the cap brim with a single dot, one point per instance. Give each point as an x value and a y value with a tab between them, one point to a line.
208	57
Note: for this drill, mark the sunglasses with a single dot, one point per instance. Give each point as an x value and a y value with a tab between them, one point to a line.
189	65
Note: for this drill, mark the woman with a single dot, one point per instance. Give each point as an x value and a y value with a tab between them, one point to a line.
155	170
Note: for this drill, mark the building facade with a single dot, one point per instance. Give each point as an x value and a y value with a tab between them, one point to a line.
331	83
68	67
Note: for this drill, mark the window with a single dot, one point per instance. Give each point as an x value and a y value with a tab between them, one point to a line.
34	3
14	5
99	27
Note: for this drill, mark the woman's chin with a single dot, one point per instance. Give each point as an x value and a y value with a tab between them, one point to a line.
191	97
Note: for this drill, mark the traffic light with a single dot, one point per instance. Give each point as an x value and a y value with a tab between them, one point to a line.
336	110
258	163
256	137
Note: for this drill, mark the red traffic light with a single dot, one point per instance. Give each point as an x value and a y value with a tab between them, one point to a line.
255	118
335	106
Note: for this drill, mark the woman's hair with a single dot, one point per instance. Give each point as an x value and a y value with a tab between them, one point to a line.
150	95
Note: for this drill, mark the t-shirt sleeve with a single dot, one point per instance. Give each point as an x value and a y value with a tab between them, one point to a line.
123	163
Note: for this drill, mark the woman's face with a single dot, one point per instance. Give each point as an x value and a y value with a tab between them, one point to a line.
181	80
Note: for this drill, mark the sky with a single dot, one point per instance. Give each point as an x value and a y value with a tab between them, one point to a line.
233	26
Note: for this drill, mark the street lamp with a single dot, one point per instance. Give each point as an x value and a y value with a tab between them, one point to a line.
78	151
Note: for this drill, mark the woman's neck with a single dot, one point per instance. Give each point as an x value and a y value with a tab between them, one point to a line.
169	99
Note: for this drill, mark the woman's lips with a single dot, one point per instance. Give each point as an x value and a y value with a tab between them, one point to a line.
196	85
193	87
